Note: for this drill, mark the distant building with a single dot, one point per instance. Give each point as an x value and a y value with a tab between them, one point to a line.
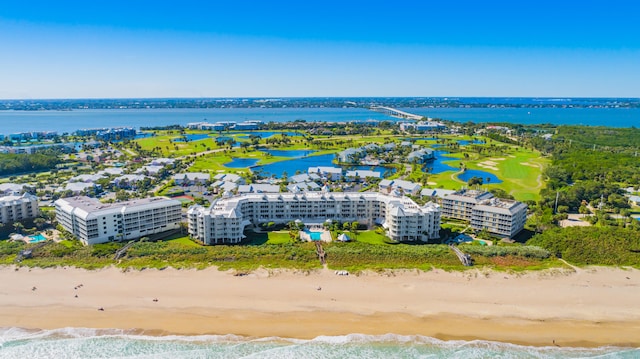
331	173
86	178
14	189
94	222
420	156
17	208
248	125
436	194
258	188
150	170
191	178
111	171
62	147
350	155
229	177
78	187
162	162
406	187
304	186
115	134
422	126
361	175
130	181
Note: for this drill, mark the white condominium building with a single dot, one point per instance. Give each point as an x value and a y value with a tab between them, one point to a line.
17	208
459	205
502	217
95	222
499	216
224	221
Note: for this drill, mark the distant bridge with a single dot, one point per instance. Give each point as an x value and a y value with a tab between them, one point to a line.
396	113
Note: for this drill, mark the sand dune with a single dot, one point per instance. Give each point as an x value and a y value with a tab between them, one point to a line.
587	307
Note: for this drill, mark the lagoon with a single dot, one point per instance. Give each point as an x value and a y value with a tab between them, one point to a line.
436	165
302	164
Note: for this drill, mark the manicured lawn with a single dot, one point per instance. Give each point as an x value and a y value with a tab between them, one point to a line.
163	141
370	237
519	169
275	237
183	240
280	237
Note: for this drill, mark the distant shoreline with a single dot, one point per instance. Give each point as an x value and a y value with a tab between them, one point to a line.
588	308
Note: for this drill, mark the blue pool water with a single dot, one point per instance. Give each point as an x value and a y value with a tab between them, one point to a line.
37	238
315	236
241	163
468	174
192	137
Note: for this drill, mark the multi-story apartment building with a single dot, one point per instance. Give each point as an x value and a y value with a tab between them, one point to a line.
17	208
501	217
459	205
224	221
95	222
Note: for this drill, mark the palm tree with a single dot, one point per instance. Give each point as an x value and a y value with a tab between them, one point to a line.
18	227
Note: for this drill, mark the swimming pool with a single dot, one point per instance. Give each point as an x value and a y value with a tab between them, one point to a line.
315	236
37	238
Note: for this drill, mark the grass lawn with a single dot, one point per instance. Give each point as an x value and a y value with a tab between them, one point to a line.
179	239
370	237
164	140
519	169
275	237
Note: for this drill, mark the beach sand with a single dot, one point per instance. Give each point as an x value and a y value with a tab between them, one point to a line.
587	307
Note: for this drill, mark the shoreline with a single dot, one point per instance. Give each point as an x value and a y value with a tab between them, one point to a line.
587	308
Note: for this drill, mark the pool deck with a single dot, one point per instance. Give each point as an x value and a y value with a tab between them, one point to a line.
325	236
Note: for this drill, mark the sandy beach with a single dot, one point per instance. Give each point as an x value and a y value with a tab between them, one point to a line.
586	307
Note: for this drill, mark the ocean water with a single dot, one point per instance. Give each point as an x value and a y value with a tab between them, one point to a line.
91	343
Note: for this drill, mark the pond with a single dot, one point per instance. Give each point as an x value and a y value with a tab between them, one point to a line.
466	142
436	165
191	137
289	153
468	174
302	164
267	134
242	162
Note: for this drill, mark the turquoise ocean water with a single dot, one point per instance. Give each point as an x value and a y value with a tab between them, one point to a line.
90	343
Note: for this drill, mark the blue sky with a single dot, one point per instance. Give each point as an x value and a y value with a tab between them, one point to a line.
87	49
